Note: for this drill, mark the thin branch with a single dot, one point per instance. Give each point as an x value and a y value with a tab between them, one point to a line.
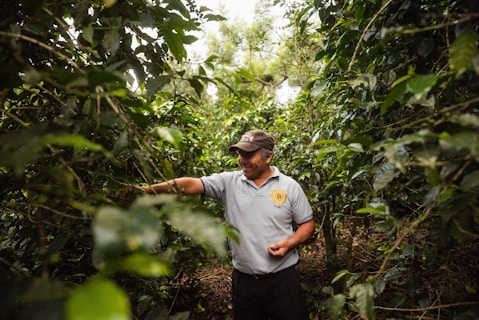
443	306
353	58
44	46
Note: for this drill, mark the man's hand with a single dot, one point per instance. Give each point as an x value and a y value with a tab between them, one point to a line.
279	249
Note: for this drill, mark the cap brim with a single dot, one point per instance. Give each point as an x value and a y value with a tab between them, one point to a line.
244	146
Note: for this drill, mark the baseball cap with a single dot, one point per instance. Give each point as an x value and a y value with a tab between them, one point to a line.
253	140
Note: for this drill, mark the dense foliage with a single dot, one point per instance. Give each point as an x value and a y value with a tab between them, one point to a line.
98	95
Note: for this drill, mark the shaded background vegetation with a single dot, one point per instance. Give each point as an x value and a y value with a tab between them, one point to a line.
383	136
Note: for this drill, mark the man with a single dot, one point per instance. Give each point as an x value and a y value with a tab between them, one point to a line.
263	204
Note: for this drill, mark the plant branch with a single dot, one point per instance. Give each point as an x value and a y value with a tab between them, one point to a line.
443	306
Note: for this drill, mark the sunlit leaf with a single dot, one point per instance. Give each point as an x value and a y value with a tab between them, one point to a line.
420	85
464	140
145	265
174	41
465	119
463	50
372	210
172	136
98	299
117	231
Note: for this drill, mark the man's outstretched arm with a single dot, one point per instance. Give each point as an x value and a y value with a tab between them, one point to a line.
184	185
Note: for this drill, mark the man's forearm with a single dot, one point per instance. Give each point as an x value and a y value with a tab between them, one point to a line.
184	185
169	186
302	234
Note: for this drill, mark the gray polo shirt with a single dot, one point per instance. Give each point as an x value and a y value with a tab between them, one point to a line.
263	215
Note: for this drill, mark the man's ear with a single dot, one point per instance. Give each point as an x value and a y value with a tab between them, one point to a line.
270	157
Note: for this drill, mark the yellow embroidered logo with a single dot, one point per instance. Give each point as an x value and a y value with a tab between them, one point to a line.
278	196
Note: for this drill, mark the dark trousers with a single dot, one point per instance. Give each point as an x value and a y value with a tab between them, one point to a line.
276	296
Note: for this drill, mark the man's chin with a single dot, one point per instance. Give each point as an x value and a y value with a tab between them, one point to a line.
247	173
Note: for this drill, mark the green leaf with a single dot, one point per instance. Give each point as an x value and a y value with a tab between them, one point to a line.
384	175
363	294
470	182
87	33
78	142
462	51
465	120
116	231
396	92
197	85
202	228
464	140
335	306
145	265
246	74
339	275
111	41
373	210
155	84
99	77
420	85
172	136
175	42
98	299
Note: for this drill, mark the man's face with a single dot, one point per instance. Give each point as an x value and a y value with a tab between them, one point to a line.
253	164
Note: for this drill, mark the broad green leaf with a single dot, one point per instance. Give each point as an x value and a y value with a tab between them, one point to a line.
372	210
76	141
339	275
393	273
464	140
155	84
121	143
420	85
177	5
167	169
197	85
363	296
174	41
427	156
465	119
421	136
470	182
202	228
111	41
335	307
116	231
246	74
145	265
87	33
432	195
100	77
98	299
323	151
384	175
462	51
395	94
172	136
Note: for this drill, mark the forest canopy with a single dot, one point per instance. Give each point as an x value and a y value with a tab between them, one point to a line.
383	136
